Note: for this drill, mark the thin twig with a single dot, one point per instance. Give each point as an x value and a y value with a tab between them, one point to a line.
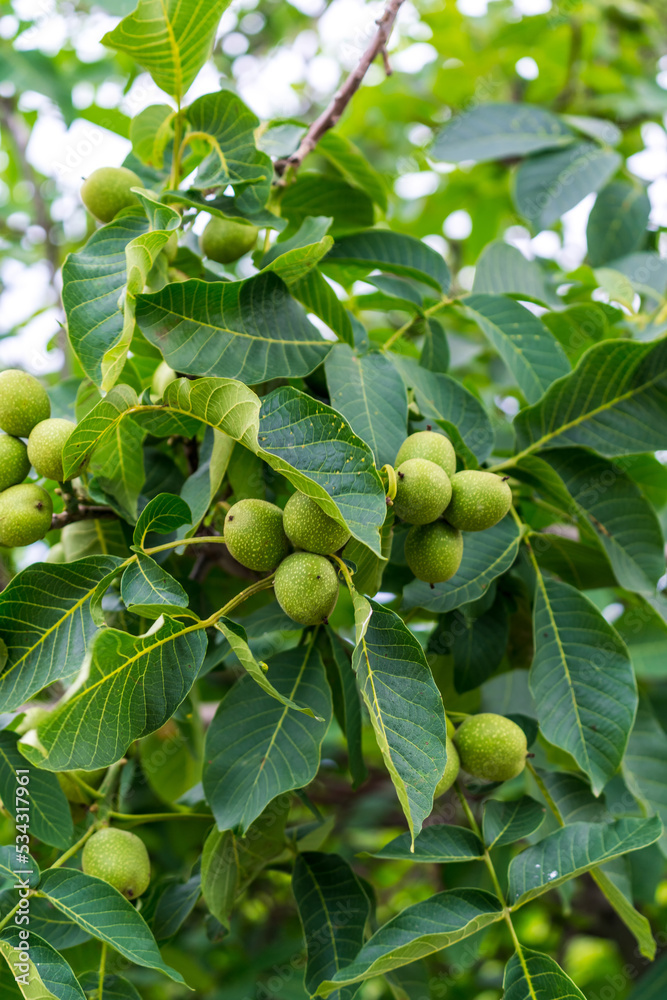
331	115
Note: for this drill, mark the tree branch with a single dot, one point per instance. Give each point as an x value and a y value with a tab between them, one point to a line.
82	514
331	115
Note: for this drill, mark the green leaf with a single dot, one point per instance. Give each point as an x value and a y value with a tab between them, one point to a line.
643	763
175	905
11	868
317	295
48	975
530	975
436	844
236	637
575	802
582	680
498	131
369	392
131	687
626	524
550	184
161	516
507	822
613	402
486	555
118	466
103	912
417	931
452	407
312	231
617	224
573	850
50	817
145	582
404	705
347	706
46	625
333	909
150	131
393	252
503	270
317	451
230	863
582	325
200	489
227	405
315	194
115	987
354	166
172	39
93	281
251	330
652	983
477	645
530	351
256	748
234	159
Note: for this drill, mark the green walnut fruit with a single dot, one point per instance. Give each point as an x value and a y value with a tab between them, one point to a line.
306	588
451	770
434	447
491	747
479	500
23	402
108	190
25	515
423	490
14	461
162	377
225	241
434	551
255	536
309	528
45	447
120	858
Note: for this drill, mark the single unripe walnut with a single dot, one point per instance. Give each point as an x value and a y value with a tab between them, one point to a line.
306	587
255	536
479	500
423	490
309	528
119	858
430	445
25	515
23	402
14	461
45	446
434	551
451	771
107	190
225	240
491	747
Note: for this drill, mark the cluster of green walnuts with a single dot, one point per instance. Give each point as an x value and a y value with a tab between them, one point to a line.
25	413
108	190
440	503
259	536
